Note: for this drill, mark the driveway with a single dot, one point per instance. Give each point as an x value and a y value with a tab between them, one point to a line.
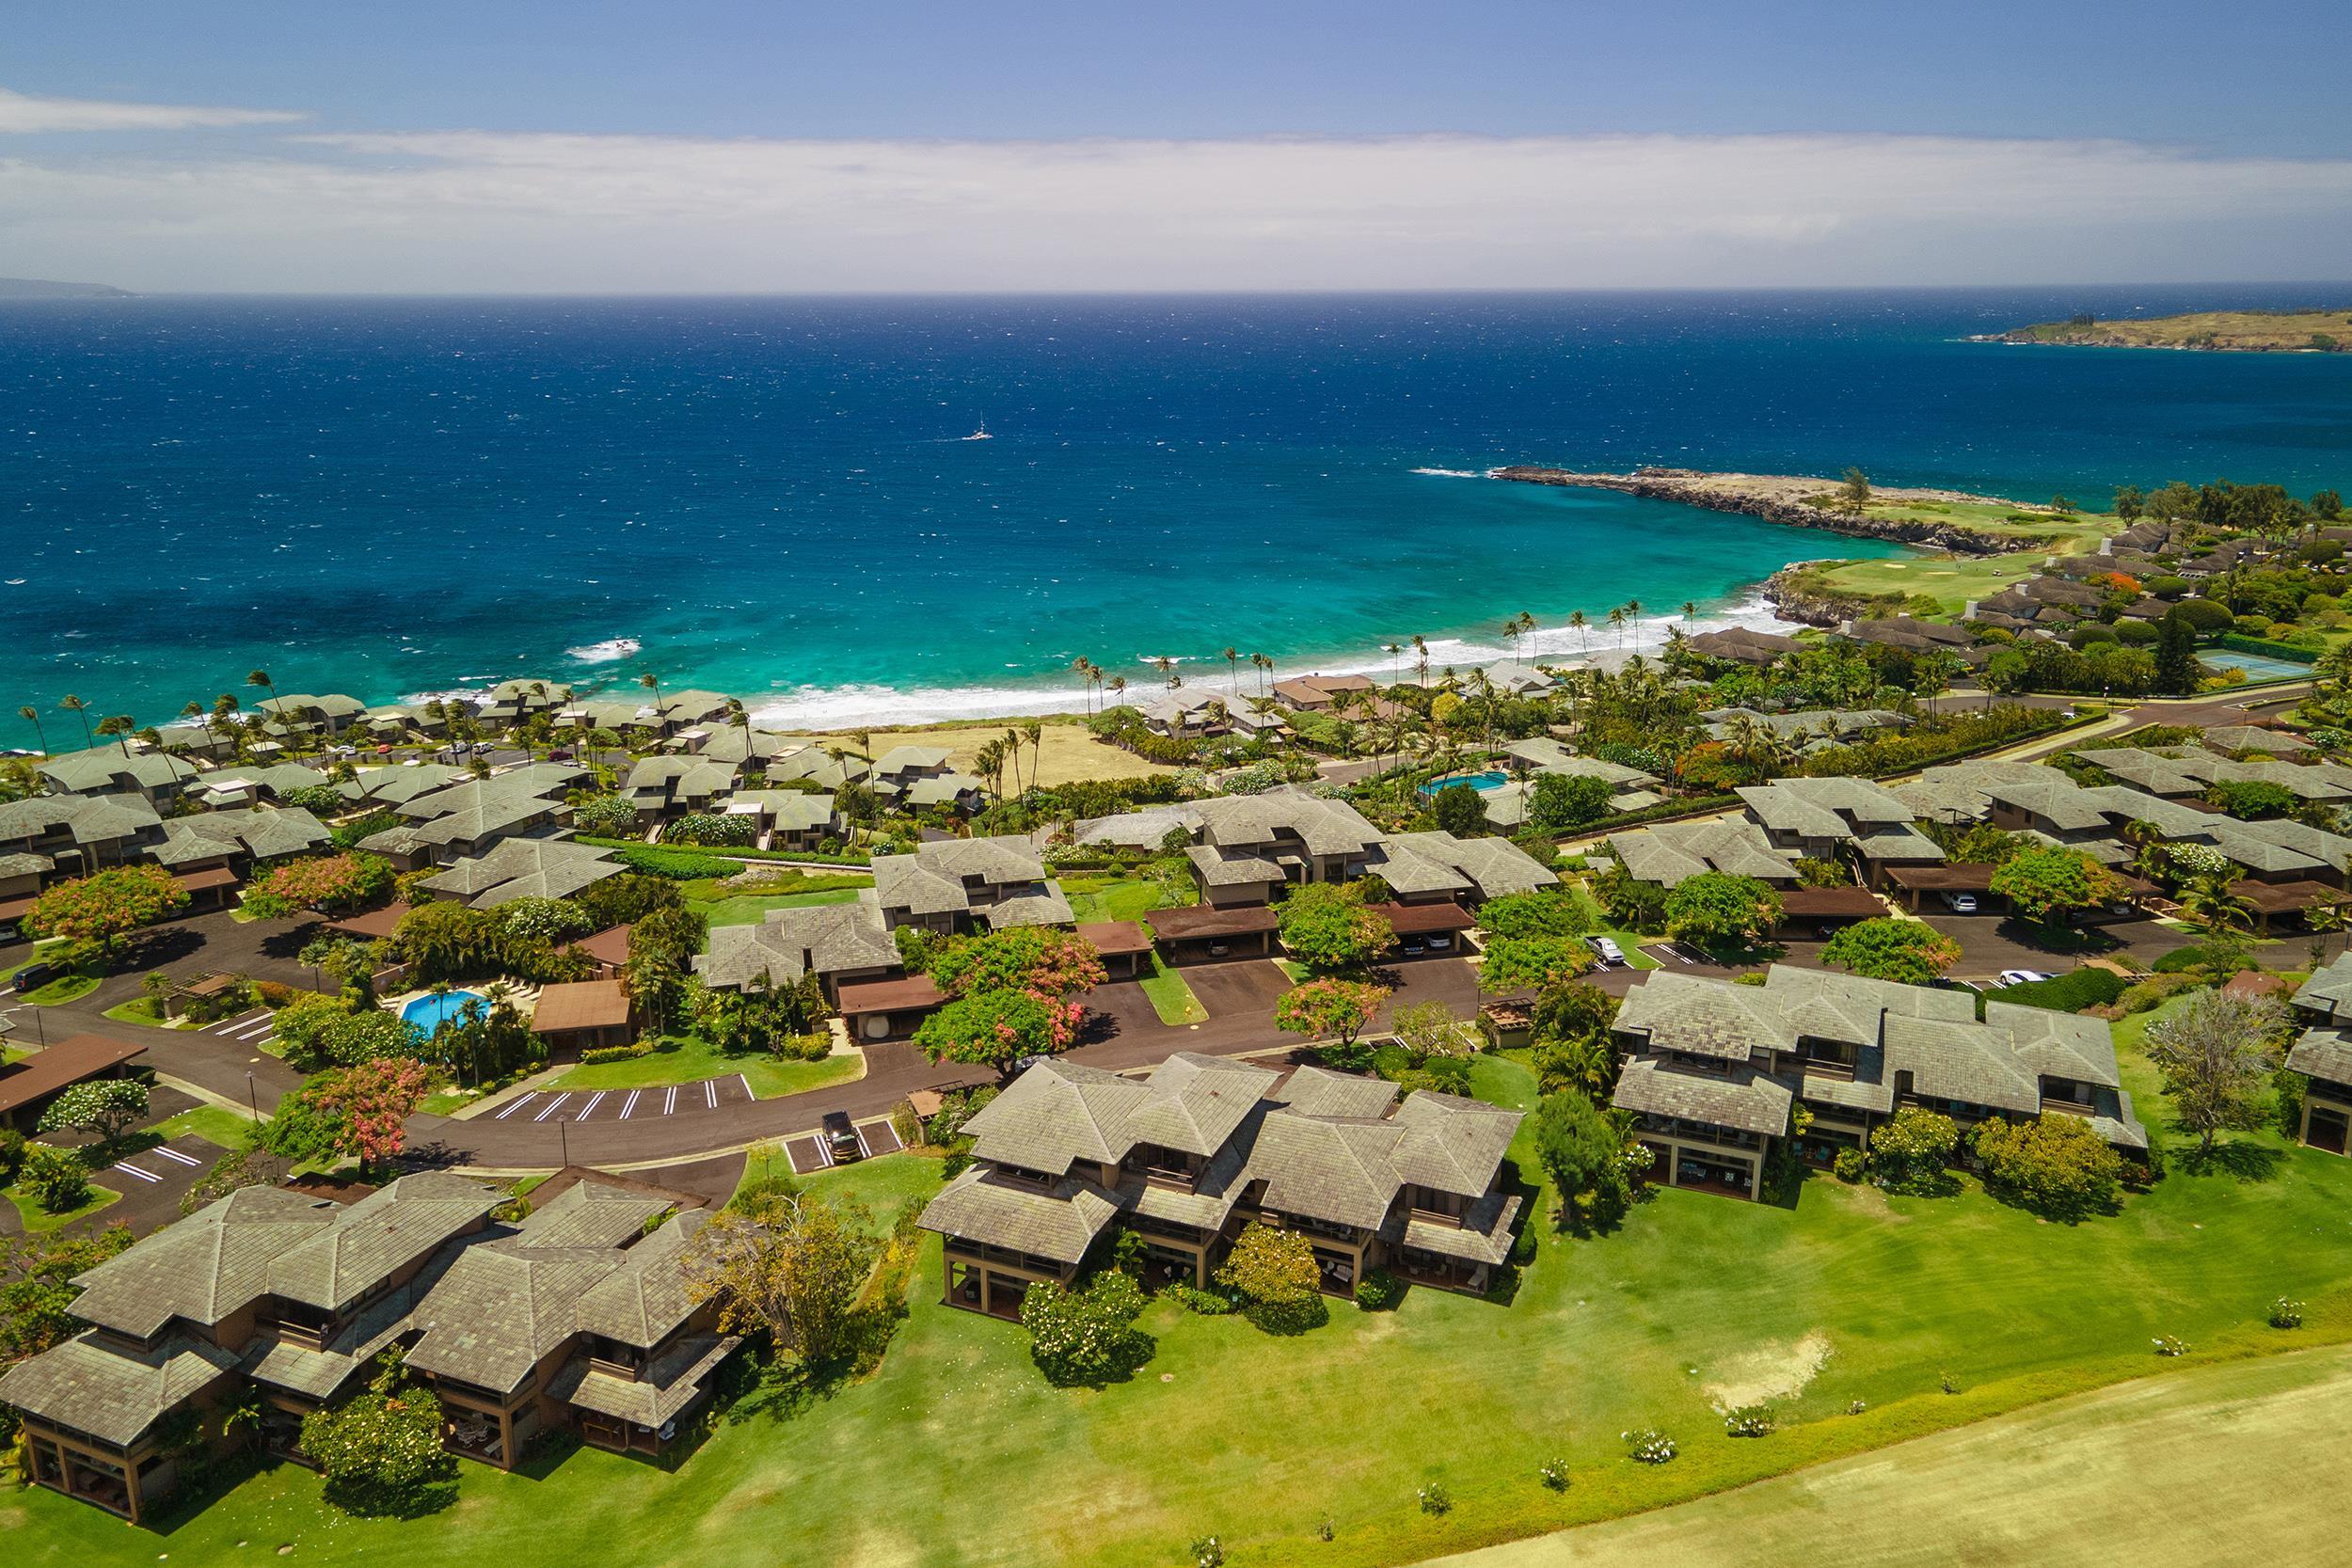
1242	986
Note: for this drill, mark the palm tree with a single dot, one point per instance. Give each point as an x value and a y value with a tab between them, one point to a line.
1033	731
1166	667
1617	618
1232	668
1118	688
2324	920
1393	650
2214	901
652	683
991	762
1511	635
31	715
1085	670
1262	664
1633	613
119	727
76	706
1526	628
261	678
1584	643
601	741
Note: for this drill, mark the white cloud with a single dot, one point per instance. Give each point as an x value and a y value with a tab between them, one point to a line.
24	112
472	210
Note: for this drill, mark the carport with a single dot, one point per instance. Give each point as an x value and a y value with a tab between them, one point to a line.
2281	900
1911	882
1205	931
1829	905
1415	924
1123	944
877	1009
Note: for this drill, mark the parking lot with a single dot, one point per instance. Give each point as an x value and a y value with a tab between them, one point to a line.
810	1153
665	1099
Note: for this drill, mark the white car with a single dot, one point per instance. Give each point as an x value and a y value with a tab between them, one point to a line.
1961	903
1608	949
2021	976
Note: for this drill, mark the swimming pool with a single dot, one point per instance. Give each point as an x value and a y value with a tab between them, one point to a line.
427	1013
2258	667
1490	780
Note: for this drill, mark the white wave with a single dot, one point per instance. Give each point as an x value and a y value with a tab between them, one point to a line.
1453	473
606	651
838	707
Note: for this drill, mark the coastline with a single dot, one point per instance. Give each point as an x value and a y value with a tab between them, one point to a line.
1785	499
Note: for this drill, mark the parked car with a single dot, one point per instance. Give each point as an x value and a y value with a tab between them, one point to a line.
2021	976
1607	950
1440	942
1961	903
841	1138
35	975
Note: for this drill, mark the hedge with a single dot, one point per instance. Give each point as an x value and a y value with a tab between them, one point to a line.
616	1053
685	865
2237	642
2087	986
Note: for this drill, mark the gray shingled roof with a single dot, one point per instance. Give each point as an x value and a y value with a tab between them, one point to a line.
1743	1098
1703	1017
1495	867
1059	1223
1670	852
673	1382
525	868
839	937
112	1394
2324	1053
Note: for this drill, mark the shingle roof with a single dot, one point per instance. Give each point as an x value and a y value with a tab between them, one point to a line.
669	1384
112	1394
1671	852
525	868
2329	990
1743	1098
2324	1053
838	937
1059	1223
1703	1017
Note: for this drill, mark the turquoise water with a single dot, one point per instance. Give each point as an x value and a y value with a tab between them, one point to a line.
427	1013
1480	782
777	497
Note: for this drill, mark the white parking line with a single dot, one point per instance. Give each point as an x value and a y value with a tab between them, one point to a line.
745	1080
175	1154
669	1100
517	1106
593	1101
631	1104
133	1170
710	1093
261	1027
548	1109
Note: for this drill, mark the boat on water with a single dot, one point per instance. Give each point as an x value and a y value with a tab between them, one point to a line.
982	434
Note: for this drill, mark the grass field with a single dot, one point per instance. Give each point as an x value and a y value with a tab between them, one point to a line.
227	1129
957	1452
2124	1475
38	1221
1067	753
725	901
685	1058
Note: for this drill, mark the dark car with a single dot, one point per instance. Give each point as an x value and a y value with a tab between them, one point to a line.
33	976
841	1138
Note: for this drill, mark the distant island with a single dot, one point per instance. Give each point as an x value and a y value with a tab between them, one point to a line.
44	288
2219	331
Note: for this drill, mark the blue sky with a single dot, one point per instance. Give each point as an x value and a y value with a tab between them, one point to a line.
593	145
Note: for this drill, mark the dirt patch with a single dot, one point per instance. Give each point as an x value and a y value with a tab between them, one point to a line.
1769	1373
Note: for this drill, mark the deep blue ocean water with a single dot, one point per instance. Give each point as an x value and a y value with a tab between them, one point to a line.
775	498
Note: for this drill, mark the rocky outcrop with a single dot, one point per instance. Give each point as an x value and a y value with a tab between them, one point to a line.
1794	500
1800	592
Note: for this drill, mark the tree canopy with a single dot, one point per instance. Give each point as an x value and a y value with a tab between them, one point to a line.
1325	926
2215	1052
1591	1156
102	908
1908	952
1716	908
2048	884
996	1028
1329	1009
1535	962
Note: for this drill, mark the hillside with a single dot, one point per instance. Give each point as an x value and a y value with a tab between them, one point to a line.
43	288
2227	331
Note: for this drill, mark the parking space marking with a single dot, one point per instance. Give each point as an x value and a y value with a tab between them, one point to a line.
133	1170
631	1104
593	1101
710	1093
261	1027
669	1100
174	1154
744	1079
548	1109
517	1106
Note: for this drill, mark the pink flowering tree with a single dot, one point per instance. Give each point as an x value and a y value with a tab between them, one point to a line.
357	1111
996	1028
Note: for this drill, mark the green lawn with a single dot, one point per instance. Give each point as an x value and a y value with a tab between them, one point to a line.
38	1221
229	1129
957	1452
138	1010
1171	997
1094	900
751	909
685	1058
882	1184
2123	1475
65	988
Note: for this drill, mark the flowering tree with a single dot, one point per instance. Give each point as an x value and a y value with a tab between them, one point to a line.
380	1452
355	1112
1049	965
1908	952
102	908
331	884
790	1264
997	1028
1086	1337
1329	1009
1327	926
106	1107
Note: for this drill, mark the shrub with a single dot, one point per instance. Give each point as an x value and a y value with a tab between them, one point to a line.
273	995
1647	1446
2170	1344
603	1055
53	1178
2222	958
1435	1498
683	865
2071	993
105	1108
1276	1274
708	828
11	1155
1086	1337
1207	1553
1748	1420
1909	1153
381	1450
1850	1164
2286	1313
1554	1474
1378	1290
2055	1165
1206	1302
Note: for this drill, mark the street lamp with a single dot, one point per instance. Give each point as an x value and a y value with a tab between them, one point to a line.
253	1097
563	1130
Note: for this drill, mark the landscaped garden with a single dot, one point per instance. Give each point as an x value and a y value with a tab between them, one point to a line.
688	1058
1857	1317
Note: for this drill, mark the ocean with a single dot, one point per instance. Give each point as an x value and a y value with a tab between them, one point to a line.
782	498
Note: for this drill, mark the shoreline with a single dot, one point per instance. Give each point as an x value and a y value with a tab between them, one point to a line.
1787	499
